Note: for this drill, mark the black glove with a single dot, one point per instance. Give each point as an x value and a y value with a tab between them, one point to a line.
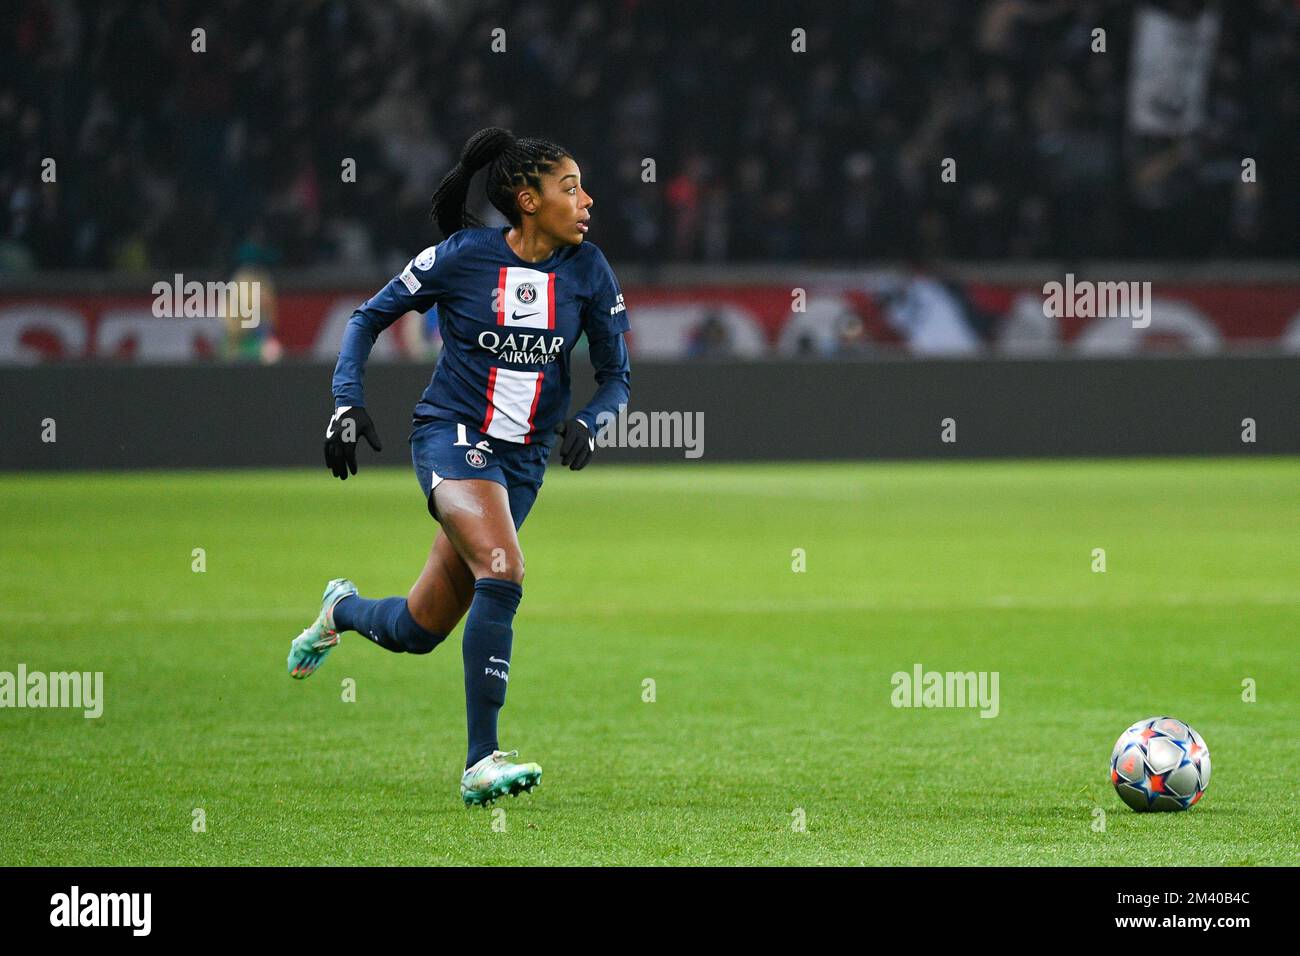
341	433
577	445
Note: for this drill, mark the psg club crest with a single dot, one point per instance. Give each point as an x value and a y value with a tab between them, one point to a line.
476	458
526	293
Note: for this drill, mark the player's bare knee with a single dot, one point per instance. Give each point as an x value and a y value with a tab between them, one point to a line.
416	632
423	615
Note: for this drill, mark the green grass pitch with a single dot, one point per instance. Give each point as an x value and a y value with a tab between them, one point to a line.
772	687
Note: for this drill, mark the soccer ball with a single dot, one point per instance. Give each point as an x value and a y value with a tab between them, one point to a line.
1160	764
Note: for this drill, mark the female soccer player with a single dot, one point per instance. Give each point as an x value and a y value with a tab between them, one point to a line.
512	303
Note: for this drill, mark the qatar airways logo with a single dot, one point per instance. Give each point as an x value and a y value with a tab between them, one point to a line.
523	348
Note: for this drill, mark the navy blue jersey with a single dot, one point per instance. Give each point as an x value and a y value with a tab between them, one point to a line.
507	329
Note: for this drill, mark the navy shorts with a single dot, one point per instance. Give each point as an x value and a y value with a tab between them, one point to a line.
441	450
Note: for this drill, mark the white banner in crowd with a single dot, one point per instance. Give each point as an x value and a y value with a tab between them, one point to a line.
1170	71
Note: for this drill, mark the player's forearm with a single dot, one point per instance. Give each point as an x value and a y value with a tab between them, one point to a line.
614	387
350	370
605	402
375	314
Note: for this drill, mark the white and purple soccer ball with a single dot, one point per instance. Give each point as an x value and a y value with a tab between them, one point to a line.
1160	764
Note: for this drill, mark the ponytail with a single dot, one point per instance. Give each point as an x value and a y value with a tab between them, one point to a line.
512	163
449	201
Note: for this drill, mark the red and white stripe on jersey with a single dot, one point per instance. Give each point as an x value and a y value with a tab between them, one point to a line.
512	398
527	298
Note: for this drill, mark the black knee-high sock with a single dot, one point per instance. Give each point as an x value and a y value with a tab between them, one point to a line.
387	622
486	651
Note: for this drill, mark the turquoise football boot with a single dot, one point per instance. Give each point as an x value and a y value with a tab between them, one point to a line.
495	776
310	648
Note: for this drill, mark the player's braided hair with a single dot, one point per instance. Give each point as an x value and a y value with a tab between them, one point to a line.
512	163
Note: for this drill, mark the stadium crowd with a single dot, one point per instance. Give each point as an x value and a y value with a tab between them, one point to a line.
171	158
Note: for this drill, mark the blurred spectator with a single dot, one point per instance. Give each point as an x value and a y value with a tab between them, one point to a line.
250	332
421	340
852	339
710	338
168	158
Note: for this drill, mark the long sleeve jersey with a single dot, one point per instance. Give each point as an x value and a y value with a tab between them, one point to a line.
507	329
